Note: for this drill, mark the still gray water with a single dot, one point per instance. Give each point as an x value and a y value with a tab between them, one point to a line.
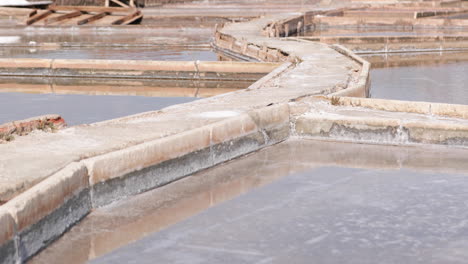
442	83
300	201
159	53
141	43
325	215
85	100
80	109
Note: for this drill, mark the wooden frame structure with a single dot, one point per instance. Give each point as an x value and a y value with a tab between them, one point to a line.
131	3
70	15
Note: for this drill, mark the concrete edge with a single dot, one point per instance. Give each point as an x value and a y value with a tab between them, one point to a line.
380	130
361	87
65	197
236	136
427	108
45	211
395	44
134	69
38	216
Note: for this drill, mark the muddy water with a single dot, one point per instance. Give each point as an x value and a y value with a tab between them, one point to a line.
432	79
299	200
81	101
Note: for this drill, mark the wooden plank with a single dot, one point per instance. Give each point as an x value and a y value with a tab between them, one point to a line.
63	17
38	17
124	19
33	13
120	3
132	20
97	9
93	18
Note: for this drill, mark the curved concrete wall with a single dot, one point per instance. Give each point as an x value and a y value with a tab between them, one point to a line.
257	117
203	70
94	165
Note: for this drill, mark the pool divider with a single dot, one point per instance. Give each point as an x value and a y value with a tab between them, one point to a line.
135	69
35	218
39	215
396	44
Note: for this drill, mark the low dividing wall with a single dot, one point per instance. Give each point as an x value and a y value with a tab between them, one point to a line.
387	44
205	70
42	209
108	161
38	216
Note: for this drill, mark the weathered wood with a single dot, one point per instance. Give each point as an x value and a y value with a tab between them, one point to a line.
33	13
63	17
93	18
97	9
80	2
132	20
124	19
38	17
119	3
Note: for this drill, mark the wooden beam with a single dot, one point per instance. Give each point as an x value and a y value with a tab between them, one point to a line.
33	13
124	19
38	17
119	3
63	17
93	18
132	20
97	9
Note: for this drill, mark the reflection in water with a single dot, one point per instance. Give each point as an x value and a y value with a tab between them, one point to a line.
141	43
430	82
161	53
111	227
80	109
76	100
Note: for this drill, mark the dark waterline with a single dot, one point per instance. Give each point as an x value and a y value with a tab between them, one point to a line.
442	83
80	109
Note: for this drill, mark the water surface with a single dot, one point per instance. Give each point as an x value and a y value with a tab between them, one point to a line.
442	83
80	109
84	100
302	201
158	53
